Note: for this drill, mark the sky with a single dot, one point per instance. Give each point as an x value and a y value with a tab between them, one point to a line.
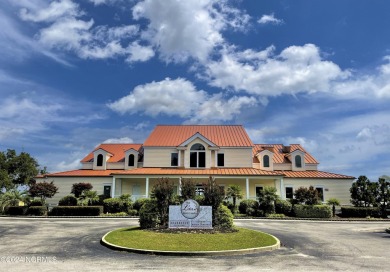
74	74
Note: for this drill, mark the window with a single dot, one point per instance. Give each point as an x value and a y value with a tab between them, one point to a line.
265	161
289	193
107	190
298	161
131	160
174	159
197	156
259	190
320	191
221	159
99	160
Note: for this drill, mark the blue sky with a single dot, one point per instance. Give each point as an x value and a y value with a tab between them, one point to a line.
74	74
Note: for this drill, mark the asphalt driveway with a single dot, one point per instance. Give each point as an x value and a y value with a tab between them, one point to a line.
52	244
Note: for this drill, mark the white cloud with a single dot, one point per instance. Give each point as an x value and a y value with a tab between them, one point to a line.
123	140
184	29
179	97
55	10
139	53
296	69
270	19
104	2
170	97
65	166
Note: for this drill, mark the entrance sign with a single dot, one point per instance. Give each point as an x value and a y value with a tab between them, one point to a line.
190	215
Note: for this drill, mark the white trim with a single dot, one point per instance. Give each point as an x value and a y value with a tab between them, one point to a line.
195	136
113	187
147	187
247	187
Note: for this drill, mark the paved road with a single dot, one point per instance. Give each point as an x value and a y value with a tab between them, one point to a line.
73	245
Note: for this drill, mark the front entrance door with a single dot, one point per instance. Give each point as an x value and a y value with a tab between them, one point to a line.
107	190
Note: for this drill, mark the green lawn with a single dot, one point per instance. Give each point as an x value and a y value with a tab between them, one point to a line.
150	240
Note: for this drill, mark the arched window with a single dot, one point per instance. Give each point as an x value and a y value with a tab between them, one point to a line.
298	161
266	161
131	160
198	156
99	161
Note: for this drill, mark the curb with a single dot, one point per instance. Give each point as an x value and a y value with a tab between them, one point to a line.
190	253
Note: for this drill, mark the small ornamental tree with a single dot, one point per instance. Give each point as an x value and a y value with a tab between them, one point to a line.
162	192
363	192
308	196
79	188
188	189
234	191
43	190
213	196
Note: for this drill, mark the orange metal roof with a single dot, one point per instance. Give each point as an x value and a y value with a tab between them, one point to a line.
168	171
174	135
117	150
279	156
313	174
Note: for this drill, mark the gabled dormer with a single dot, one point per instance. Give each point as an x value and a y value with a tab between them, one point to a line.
297	158
266	159
199	152
100	158
131	158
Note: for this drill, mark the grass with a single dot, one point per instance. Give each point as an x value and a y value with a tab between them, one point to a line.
150	240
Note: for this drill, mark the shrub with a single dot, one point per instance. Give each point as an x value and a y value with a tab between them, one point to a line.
213	196
133	212
37	210
283	207
308	196
224	218
312	211
276	215
114	214
79	188
36	202
76	211
16	210
149	215
199	199
248	207
116	205
162	192
68	200
360	212
138	203
188	189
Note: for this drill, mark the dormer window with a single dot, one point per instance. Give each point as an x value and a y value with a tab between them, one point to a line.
265	161
131	160
298	161
99	160
198	156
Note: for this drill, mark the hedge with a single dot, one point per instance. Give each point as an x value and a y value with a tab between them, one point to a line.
36	202
360	212
16	210
77	211
312	211
248	207
37	210
69	200
116	205
283	207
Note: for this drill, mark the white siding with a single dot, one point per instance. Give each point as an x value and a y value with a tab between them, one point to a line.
158	157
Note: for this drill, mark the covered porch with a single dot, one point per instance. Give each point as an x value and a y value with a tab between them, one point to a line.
140	186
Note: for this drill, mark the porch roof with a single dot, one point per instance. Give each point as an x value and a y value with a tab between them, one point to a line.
313	174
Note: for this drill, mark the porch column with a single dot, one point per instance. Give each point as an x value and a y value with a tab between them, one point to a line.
147	188
247	188
282	196
113	187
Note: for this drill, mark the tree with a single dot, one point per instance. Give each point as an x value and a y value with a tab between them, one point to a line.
267	200
234	191
363	192
12	198
79	188
43	190
16	169
333	202
162	192
188	189
213	196
308	196
383	194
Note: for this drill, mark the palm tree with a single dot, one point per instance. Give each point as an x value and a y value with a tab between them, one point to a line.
234	191
333	202
12	198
